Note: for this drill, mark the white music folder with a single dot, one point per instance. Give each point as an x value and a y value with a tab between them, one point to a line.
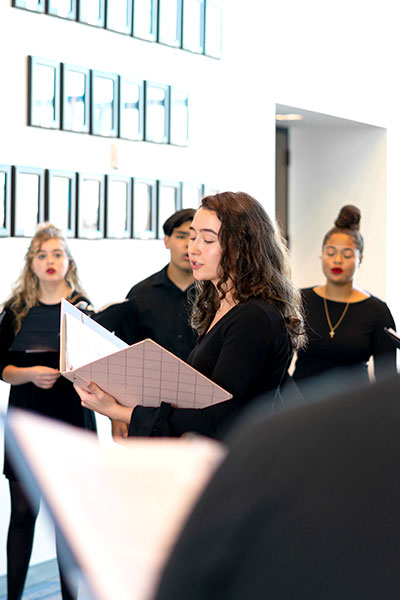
142	374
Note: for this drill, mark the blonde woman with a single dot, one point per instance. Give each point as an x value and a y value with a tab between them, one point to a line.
29	358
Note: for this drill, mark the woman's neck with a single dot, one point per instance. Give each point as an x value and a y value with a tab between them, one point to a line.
225	306
338	292
51	293
345	292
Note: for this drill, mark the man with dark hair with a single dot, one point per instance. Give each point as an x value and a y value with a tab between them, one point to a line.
159	307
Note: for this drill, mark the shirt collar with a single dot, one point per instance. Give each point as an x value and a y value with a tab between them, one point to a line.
161	278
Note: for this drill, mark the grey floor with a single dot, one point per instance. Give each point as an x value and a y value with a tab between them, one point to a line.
42	583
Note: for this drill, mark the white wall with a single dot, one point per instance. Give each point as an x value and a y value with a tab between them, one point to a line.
338	58
220	133
332	166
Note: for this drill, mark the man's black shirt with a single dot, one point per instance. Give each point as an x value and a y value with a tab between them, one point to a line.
157	309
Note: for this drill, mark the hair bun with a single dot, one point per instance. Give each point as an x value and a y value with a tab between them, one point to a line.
349	217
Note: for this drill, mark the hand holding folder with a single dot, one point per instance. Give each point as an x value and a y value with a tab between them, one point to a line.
142	374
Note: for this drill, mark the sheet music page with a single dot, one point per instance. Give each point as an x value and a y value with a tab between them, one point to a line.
119	507
83	340
84	346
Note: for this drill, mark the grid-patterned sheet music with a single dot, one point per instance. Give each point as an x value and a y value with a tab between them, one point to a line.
147	374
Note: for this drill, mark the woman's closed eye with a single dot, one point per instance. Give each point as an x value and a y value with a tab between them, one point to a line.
193	239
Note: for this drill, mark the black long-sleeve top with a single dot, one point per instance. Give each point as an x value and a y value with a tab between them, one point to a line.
40	346
247	353
359	336
155	308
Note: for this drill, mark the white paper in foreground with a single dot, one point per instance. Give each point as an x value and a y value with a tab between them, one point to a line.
120	507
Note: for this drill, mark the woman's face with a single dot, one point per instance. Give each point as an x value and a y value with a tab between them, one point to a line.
50	262
204	248
340	258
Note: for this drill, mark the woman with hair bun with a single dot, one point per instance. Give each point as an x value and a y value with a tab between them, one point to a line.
344	324
29	361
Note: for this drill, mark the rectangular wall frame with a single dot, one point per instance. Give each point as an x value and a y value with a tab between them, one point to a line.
179	117
65	9
145	19
119	16
43	92
92	12
144	208
118	216
213	29
32	5
156	112
170	22
27	200
104	104
75	98
191	194
5	200
90	206
168	202
131	109
193	19
60	200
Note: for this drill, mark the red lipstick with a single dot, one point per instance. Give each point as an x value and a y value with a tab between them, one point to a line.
50	271
337	271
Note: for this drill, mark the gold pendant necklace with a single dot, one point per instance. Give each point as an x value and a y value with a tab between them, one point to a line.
332	329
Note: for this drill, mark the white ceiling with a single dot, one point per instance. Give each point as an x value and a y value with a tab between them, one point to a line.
313	119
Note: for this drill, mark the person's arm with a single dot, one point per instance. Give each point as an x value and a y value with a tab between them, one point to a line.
383	349
119	430
41	376
122	319
83	303
248	350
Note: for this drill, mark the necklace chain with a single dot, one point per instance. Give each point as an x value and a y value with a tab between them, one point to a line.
331	327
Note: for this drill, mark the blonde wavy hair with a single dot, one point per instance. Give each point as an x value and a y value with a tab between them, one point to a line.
26	289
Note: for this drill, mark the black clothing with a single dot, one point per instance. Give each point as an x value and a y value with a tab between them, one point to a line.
247	353
37	343
358	337
157	309
24	512
60	401
305	506
32	336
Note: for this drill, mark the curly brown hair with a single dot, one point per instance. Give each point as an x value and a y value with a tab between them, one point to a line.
254	262
26	289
